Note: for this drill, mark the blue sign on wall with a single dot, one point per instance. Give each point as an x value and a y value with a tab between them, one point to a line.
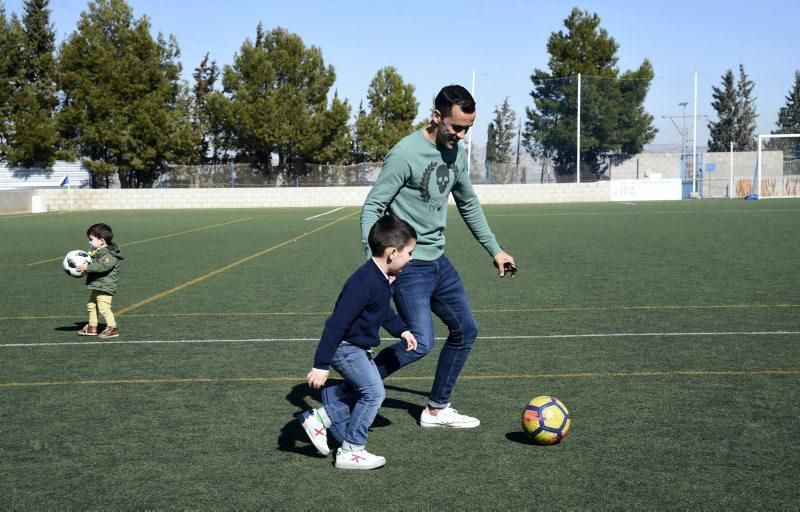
710	167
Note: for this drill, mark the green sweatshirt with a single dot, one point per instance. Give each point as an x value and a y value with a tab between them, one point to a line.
416	179
103	270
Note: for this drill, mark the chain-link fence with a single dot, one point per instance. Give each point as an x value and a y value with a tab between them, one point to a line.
626	128
574	129
246	175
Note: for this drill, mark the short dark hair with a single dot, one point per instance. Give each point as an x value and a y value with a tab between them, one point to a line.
390	231
101	231
454	95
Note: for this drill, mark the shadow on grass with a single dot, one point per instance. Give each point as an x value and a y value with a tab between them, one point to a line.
414	410
518	437
292	432
293	438
74	327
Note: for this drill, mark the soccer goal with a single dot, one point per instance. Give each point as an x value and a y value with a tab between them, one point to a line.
779	174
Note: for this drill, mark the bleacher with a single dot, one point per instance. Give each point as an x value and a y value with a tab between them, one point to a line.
16	178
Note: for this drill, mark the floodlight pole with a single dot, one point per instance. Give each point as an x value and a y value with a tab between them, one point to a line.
469	135
578	152
758	169
694	138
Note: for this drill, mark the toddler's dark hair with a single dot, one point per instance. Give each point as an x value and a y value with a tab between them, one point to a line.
390	231
101	231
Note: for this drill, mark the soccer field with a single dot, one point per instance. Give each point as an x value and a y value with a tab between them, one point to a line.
670	330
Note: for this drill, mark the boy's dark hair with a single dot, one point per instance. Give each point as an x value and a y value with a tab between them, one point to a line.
390	231
101	231
454	95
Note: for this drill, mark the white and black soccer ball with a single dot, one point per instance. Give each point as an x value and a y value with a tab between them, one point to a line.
72	260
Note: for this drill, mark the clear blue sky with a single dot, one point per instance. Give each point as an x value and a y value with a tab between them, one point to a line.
502	40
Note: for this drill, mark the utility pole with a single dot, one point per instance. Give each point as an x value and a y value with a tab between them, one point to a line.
683	131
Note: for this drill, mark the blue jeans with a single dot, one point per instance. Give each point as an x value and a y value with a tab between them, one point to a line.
352	415
423	287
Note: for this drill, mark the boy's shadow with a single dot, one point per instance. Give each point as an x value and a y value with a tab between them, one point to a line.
298	396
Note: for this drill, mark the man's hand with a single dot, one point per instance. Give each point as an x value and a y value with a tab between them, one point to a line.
500	260
411	341
82	267
316	378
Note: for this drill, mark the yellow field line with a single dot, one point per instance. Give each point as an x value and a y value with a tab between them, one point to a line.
201	380
476	311
227	267
155	238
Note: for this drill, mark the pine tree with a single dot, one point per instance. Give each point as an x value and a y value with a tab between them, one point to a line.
335	133
725	102
125	109
614	124
33	103
789	122
745	139
392	109
736	114
11	71
276	92
789	115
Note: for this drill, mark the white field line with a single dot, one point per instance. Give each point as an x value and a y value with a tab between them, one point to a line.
326	213
576	214
515	337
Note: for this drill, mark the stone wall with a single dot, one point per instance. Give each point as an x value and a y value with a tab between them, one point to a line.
16	201
286	197
716	183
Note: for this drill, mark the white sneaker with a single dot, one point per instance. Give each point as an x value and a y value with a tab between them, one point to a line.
315	430
360	459
447	418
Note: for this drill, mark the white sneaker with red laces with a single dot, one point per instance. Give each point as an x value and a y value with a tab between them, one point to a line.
315	430
358	459
447	418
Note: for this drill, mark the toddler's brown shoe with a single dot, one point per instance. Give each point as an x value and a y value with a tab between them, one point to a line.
109	332
88	330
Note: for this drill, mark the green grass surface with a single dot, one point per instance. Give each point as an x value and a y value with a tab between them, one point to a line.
670	331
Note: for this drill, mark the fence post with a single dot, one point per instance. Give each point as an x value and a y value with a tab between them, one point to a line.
578	153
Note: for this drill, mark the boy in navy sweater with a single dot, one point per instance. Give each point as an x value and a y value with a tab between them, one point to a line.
350	334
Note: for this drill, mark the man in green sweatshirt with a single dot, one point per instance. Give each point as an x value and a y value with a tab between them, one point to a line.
418	175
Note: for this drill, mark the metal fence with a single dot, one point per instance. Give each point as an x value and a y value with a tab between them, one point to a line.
247	175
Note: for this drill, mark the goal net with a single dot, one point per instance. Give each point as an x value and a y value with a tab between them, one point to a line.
777	171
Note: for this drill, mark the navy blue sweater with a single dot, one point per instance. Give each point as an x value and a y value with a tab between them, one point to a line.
362	308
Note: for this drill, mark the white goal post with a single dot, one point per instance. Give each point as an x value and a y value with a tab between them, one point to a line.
780	184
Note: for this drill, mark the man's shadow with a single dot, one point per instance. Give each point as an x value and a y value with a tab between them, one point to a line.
292	437
414	410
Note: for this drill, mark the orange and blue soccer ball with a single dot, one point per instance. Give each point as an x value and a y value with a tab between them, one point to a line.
546	420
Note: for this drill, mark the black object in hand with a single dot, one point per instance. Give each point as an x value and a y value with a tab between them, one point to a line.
509	268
